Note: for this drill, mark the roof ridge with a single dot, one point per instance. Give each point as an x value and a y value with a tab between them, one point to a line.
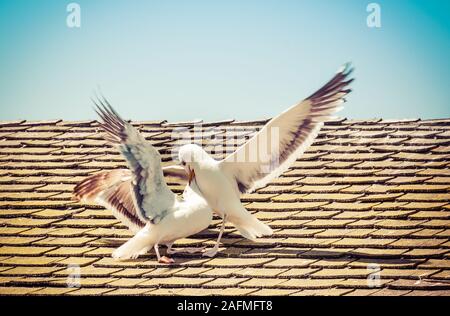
231	122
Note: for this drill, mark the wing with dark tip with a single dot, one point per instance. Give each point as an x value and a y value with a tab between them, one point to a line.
152	197
284	138
113	190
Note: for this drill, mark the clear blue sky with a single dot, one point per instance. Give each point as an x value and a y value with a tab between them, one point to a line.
213	60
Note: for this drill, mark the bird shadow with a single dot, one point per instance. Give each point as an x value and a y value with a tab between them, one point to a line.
337	256
232	248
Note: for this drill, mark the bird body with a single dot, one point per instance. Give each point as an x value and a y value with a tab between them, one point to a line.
268	154
221	192
141	199
139	196
186	218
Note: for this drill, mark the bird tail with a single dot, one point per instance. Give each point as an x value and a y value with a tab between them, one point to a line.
252	228
140	244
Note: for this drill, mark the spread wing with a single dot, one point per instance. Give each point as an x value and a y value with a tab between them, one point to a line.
113	190
151	196
284	138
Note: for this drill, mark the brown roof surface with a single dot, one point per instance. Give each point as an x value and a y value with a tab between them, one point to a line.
366	211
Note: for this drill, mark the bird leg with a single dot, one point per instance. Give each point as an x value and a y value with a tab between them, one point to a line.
172	251
156	247
213	251
162	259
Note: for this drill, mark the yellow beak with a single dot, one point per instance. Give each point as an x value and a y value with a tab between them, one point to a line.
191	175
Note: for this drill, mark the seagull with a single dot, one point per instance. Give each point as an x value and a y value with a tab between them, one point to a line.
263	158
139	196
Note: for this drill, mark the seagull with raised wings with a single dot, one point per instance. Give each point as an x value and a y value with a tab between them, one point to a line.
141	199
282	140
139	196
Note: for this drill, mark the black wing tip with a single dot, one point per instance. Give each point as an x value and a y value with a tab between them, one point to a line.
243	188
110	121
346	69
346	91
338	84
102	105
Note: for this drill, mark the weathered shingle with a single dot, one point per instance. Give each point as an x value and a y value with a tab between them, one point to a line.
365	211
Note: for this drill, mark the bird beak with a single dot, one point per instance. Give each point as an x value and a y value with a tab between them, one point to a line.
191	175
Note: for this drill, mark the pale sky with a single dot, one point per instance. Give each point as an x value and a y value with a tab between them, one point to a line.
214	60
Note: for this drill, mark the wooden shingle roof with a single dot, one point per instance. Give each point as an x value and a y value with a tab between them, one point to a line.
366	211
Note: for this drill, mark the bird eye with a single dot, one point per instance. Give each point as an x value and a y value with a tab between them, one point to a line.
183	163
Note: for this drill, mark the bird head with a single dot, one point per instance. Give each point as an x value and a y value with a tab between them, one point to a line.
190	156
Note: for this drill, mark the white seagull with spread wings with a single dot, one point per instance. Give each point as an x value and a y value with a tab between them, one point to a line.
264	157
140	197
